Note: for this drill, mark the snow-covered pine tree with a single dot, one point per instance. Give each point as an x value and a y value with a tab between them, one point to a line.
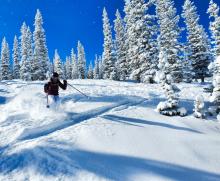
96	68
187	68
58	67
40	65
198	42
101	65
140	33
81	61
215	98
10	75
11	72
5	60
151	57
68	68
30	51
108	54
64	76
50	70
16	59
25	69
164	76
214	27
90	71
120	38
75	70
114	73
128	23
169	36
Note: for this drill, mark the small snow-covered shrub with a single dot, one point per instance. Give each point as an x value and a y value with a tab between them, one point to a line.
212	110
159	76
171	109
218	117
135	75
199	107
208	88
182	111
148	77
171	106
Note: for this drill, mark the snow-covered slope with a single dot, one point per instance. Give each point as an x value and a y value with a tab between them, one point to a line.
114	135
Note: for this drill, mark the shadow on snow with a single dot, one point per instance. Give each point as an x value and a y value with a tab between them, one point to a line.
136	122
54	161
2	100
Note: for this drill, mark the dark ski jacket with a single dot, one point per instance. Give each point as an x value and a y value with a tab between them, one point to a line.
52	88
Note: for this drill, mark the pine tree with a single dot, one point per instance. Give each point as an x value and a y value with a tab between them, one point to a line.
68	68
5	60
90	71
25	70
40	65
16	59
108	54
75	70
187	68
11	72
101	65
81	61
171	106
96	68
120	47
50	70
213	11
215	98
168	21
128	23
214	27
64	75
114	74
30	51
198	42
140	34
58	67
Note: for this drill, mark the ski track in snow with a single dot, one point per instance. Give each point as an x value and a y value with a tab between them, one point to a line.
72	120
115	135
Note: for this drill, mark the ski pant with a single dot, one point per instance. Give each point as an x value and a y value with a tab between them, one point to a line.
54	101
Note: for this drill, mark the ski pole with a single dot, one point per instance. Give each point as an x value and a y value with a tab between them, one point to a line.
47	102
78	91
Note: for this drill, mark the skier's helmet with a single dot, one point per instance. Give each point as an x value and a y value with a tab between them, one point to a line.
55	74
55	77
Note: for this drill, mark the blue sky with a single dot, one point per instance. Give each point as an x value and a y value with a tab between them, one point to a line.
67	21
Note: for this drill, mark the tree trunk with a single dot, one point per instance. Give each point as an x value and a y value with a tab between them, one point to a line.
203	79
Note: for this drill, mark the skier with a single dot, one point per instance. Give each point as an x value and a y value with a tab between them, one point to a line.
52	90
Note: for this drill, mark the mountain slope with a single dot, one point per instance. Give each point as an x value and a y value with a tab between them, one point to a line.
114	135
